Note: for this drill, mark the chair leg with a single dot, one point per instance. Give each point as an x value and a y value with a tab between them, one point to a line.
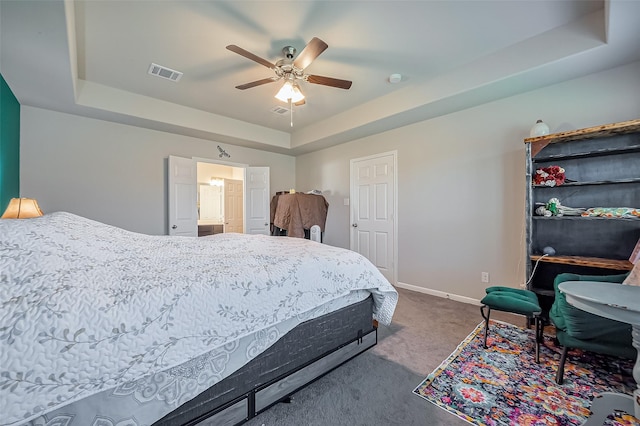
560	372
486	322
541	331
538	337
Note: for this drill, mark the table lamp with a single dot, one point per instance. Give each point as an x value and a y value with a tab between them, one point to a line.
22	208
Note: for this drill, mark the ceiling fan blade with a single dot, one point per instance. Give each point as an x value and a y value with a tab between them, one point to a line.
311	51
300	103
328	81
257	83
240	51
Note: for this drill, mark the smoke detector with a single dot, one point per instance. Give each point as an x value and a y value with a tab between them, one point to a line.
395	78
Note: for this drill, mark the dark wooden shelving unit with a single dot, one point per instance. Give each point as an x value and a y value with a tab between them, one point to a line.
603	163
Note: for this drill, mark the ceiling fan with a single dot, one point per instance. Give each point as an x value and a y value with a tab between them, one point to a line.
291	71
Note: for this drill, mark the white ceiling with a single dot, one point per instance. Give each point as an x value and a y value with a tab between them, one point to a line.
91	58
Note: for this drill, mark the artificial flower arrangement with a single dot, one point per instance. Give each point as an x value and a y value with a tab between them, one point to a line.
554	208
549	176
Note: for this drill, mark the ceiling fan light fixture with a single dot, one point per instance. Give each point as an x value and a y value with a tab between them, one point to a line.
289	92
297	94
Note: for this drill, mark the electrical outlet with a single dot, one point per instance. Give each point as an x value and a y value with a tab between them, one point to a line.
484	277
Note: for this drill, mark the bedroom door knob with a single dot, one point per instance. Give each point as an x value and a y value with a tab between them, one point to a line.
174	226
355	225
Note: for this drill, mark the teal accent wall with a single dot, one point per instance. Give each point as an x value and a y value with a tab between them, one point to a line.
9	145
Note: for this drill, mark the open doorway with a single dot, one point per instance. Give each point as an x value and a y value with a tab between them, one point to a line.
183	192
220	198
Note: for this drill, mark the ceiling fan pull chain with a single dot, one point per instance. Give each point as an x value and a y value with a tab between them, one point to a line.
291	110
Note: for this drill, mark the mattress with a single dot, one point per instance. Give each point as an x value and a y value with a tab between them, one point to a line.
139	402
306	343
91	309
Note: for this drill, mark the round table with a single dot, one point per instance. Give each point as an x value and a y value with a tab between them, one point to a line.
617	302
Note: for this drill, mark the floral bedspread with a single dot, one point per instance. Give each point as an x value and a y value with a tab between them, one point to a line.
86	307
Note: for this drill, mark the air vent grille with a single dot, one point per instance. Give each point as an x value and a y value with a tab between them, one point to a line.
164	72
279	110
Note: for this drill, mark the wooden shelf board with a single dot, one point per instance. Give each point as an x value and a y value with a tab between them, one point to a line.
623	127
585	183
595	262
594	153
620	128
580	218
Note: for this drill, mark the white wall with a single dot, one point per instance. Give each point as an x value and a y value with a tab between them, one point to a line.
461	179
114	173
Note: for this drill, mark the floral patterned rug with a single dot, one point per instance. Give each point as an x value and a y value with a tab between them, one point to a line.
621	418
502	385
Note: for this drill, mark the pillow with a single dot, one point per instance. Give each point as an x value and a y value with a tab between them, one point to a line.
634	276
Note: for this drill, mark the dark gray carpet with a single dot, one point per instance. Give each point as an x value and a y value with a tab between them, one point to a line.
375	388
368	390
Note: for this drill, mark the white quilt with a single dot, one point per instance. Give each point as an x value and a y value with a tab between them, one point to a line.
86	307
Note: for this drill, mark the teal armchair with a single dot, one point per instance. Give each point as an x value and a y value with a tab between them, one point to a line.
576	328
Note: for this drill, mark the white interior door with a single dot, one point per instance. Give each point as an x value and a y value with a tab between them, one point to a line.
183	212
257	213
233	206
373	211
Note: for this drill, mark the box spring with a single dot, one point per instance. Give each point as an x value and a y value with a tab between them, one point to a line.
308	351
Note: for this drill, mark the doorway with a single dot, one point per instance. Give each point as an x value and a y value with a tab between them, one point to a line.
183	191
373	202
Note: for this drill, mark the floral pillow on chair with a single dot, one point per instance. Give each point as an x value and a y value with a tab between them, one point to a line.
634	276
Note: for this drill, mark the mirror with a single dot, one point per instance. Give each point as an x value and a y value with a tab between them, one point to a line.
210	203
220	194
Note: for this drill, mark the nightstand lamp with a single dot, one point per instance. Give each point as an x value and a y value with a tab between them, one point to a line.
22	208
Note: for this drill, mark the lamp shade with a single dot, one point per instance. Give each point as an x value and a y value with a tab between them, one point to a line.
289	92
539	129
22	208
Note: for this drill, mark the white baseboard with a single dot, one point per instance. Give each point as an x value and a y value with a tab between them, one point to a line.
443	294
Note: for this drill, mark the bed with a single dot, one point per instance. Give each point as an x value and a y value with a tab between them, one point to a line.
102	326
